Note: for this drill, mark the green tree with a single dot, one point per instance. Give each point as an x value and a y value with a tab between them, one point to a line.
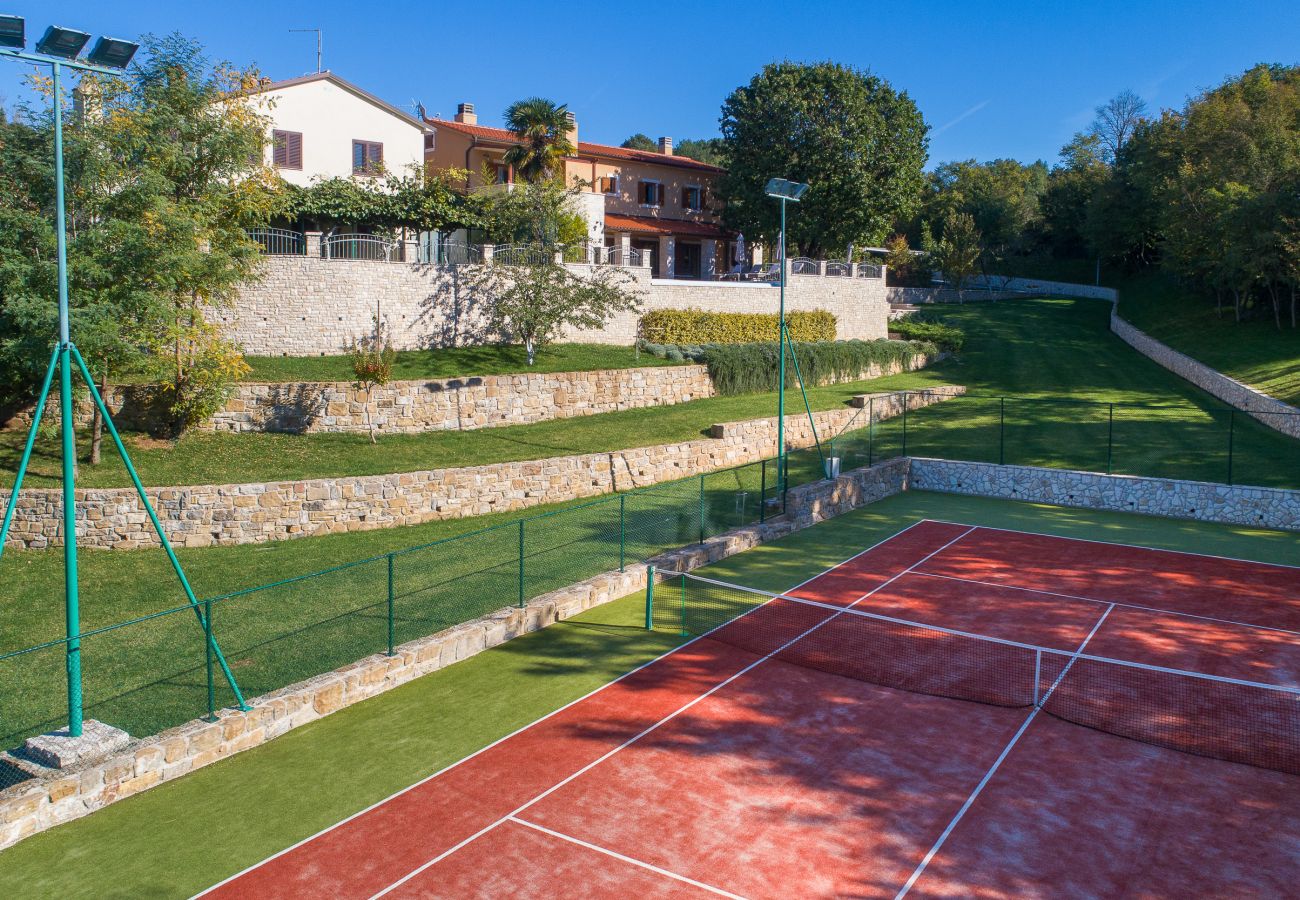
860	144
640	141
542	129
534	303
1002	197
182	182
372	365
957	252
706	150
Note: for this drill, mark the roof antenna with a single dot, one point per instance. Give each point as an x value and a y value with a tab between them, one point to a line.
318	44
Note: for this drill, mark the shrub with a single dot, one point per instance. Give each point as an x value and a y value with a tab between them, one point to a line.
947	337
754	367
696	326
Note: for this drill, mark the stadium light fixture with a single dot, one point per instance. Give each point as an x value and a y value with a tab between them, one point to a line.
783	189
112	53
13	32
63	43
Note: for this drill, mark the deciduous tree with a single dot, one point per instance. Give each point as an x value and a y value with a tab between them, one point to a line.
859	144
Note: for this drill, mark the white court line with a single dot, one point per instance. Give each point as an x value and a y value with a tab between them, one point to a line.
1158	609
538	721
925	861
627	859
668	718
1061	537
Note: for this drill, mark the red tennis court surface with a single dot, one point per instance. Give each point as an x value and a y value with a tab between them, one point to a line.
736	766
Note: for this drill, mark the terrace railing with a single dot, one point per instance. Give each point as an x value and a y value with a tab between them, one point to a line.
362	246
802	265
279	241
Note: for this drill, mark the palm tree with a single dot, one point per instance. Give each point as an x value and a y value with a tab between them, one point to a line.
542	128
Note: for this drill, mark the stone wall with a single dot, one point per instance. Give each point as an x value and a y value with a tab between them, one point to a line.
1202	501
454	404
1272	412
304	306
53	796
207	515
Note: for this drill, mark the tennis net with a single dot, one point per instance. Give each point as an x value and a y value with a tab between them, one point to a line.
1249	722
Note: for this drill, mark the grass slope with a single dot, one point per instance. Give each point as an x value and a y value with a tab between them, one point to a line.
183	836
1056	348
1254	352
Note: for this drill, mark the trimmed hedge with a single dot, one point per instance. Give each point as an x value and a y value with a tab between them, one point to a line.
754	367
696	326
946	337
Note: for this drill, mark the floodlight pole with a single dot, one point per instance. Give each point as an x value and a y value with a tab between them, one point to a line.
71	600
71	597
780	378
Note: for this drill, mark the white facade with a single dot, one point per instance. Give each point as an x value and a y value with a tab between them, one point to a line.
331	115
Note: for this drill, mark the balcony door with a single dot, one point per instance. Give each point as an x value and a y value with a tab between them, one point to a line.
689	258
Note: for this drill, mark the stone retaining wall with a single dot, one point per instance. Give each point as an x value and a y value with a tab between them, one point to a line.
207	515
455	404
1202	501
1272	412
52	797
304	306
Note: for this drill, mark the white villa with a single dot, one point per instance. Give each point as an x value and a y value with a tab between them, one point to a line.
326	127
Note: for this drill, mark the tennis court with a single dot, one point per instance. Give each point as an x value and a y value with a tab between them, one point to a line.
957	711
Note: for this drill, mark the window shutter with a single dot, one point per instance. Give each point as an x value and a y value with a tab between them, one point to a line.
293	150
661	195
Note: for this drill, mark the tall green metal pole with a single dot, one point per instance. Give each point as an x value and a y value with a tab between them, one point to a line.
70	597
780	378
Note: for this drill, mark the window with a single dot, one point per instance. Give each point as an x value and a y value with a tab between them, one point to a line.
286	149
692	197
430	142
608	184
367	158
503	174
652	193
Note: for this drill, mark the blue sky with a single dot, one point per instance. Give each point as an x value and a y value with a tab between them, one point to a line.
993	79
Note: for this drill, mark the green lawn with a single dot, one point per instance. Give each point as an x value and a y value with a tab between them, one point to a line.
1254	352
183	836
312	610
453	362
1059	349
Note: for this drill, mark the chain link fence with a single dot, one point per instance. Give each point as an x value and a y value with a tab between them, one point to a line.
156	671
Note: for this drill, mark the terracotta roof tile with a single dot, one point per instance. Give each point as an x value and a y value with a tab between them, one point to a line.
652	225
584	148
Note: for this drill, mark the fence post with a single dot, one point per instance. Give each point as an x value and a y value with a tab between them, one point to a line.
207	646
871	431
622	532
390	605
904	423
1002	431
649	598
521	563
701	507
1232	421
684	632
784	464
762	491
1110	438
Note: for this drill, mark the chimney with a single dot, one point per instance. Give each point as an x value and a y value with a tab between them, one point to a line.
465	114
573	128
666	146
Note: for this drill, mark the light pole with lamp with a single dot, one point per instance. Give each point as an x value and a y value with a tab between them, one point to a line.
784	191
61	48
57	48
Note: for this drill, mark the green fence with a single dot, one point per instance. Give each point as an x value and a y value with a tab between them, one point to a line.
153	672
1199	443
150	673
